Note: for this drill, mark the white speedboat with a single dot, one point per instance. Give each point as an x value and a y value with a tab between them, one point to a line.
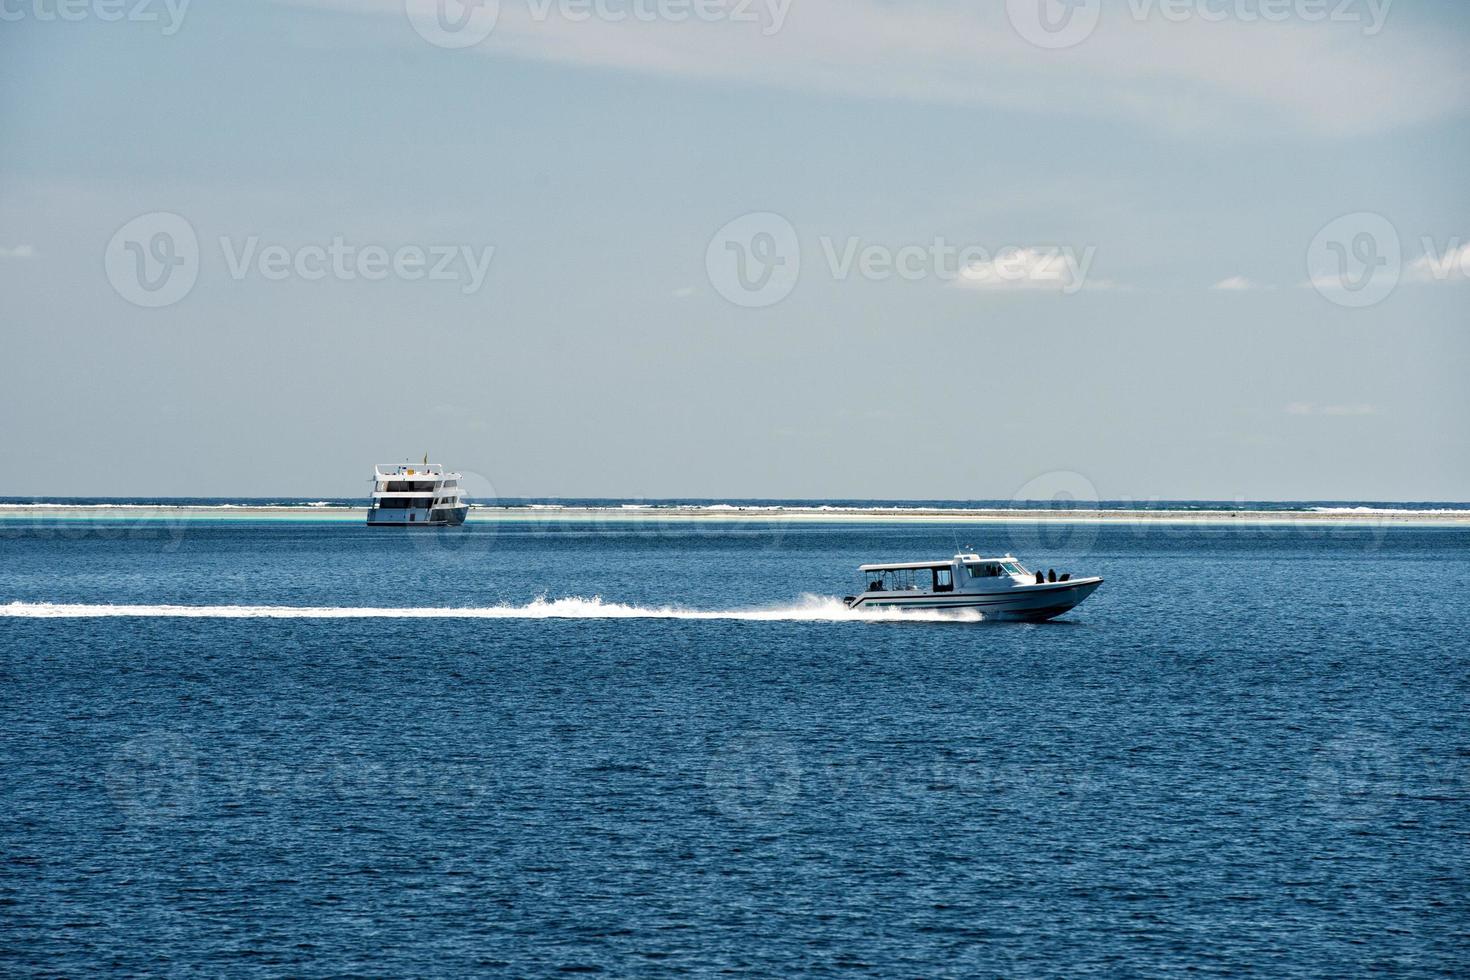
416	494
1000	588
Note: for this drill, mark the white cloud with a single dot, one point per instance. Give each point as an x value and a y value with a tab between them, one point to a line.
1448	264
1312	408
18	252
1056	269
1236	284
1330	77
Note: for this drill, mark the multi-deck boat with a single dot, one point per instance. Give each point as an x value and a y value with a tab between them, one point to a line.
416	493
1000	588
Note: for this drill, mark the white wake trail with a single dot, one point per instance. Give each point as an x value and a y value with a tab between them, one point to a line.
810	609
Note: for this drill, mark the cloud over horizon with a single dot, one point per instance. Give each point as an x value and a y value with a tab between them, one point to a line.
1331	79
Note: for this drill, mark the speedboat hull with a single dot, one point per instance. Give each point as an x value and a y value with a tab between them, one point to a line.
1025	603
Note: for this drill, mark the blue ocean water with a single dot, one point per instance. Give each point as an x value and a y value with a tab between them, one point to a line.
1247	753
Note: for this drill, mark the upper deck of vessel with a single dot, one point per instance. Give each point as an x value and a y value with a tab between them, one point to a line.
937	563
388	471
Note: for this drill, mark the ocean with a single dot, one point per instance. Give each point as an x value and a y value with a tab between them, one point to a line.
736	503
309	748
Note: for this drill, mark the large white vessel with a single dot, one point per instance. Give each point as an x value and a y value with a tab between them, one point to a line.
420	494
1001	588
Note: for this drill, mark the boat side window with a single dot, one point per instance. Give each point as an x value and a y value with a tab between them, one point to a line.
943	580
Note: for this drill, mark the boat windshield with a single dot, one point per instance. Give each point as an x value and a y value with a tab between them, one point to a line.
1013	568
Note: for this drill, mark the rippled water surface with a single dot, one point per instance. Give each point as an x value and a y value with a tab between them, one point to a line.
1248	752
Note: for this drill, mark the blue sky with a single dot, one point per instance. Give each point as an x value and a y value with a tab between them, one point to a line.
1212	165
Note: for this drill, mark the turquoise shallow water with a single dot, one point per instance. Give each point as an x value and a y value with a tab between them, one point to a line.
1247	753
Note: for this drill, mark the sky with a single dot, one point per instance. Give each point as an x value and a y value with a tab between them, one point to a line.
1145	249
